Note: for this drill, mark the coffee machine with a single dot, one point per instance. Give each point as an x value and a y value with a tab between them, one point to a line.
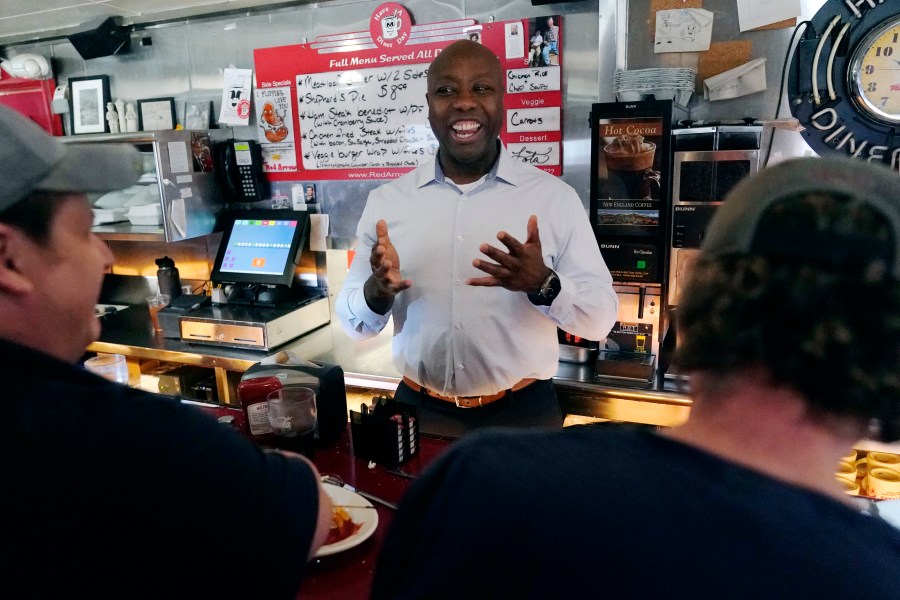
709	158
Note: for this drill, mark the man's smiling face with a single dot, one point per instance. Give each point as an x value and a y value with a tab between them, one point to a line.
465	108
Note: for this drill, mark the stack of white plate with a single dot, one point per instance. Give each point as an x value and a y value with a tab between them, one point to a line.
675	83
145	214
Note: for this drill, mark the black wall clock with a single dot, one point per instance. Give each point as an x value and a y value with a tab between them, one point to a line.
844	80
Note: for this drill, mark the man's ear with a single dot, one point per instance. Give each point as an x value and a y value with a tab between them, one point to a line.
14	250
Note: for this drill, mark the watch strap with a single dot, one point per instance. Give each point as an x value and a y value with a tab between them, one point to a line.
548	291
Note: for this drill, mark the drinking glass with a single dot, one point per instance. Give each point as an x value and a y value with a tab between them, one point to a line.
293	416
111	366
155	304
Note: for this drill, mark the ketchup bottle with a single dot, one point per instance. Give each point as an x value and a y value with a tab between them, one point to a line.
253	395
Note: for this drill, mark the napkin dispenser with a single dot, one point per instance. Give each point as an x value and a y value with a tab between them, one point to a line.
388	434
285	369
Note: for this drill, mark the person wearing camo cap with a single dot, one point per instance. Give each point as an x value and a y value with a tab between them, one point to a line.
790	332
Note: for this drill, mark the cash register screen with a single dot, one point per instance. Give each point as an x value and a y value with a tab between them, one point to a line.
261	247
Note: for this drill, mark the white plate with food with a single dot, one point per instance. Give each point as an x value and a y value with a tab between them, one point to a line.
354	520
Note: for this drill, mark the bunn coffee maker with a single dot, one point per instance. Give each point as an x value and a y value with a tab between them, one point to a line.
629	211
709	158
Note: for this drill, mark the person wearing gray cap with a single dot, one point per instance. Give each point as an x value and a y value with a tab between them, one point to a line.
790	332
110	491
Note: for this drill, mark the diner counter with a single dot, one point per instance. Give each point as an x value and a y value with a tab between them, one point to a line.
367	364
368	367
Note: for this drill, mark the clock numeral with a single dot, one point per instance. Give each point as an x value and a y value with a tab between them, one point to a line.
884	100
894	40
884	51
869	69
871	87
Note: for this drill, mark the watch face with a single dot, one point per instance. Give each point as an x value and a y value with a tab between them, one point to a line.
875	72
553	287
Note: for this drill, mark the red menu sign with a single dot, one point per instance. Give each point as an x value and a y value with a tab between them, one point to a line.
352	106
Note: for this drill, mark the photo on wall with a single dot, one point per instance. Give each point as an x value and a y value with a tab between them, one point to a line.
88	97
544	42
304	196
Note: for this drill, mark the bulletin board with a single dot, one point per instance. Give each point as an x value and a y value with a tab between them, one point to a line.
352	106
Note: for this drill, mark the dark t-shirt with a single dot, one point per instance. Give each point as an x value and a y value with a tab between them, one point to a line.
614	512
112	492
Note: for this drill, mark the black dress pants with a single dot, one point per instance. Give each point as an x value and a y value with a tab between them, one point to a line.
535	405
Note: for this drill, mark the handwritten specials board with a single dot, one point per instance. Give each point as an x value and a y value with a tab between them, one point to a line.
327	114
367	118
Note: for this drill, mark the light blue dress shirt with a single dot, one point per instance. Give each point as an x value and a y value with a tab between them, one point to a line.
462	340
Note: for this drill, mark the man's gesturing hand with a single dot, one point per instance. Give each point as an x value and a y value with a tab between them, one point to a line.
386	280
522	269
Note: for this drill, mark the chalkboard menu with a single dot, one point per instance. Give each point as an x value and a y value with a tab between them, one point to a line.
352	106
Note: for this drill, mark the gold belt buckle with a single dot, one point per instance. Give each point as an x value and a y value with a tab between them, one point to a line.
458	405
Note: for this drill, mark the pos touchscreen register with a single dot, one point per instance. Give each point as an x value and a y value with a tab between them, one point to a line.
258	255
256	301
261	247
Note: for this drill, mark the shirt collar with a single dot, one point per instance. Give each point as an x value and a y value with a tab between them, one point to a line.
504	169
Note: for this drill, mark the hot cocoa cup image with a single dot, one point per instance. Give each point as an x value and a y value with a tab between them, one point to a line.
629	161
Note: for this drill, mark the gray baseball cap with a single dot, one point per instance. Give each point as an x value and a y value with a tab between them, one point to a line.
735	226
31	159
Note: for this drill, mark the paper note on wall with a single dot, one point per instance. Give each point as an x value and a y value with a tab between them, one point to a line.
746	79
514	40
236	97
179	162
687	30
318	231
756	13
535	79
721	57
539	154
533	119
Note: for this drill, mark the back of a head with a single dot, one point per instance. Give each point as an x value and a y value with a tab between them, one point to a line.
799	273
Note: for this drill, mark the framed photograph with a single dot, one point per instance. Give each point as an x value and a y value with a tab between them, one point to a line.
197	115
156	113
304	195
87	103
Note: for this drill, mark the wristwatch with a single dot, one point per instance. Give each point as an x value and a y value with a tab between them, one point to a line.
548	292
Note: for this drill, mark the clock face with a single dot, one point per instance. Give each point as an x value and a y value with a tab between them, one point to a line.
875	72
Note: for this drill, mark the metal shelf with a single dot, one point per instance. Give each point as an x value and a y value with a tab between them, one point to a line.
126	232
183	189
